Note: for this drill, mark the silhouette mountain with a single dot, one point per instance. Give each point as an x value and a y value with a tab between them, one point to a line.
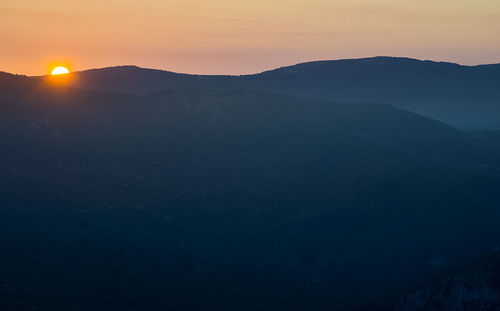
463	96
231	199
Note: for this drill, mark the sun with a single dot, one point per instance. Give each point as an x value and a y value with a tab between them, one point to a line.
60	71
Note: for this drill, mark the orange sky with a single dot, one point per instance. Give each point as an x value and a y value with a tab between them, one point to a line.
241	36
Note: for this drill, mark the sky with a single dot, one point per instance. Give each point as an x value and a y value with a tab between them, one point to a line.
241	36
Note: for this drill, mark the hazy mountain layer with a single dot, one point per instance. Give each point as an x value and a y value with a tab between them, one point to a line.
227	200
464	96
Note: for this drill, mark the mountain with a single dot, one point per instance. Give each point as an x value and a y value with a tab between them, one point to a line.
463	96
231	199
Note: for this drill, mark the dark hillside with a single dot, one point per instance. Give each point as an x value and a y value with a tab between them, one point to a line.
246	200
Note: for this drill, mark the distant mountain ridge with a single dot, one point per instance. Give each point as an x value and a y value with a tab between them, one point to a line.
463	96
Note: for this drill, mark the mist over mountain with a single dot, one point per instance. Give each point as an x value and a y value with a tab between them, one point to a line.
218	198
467	97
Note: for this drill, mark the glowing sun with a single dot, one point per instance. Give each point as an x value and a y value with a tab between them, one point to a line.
59	71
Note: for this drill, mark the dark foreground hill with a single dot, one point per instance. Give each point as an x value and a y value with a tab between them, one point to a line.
231	200
475	286
463	96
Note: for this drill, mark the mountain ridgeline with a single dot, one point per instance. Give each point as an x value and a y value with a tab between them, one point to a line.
467	97
135	189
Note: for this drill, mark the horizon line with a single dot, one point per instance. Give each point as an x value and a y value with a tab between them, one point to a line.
268	70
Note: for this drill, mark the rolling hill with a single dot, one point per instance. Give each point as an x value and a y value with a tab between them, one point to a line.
467	97
244	198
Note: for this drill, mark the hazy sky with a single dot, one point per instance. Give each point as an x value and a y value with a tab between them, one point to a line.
241	36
